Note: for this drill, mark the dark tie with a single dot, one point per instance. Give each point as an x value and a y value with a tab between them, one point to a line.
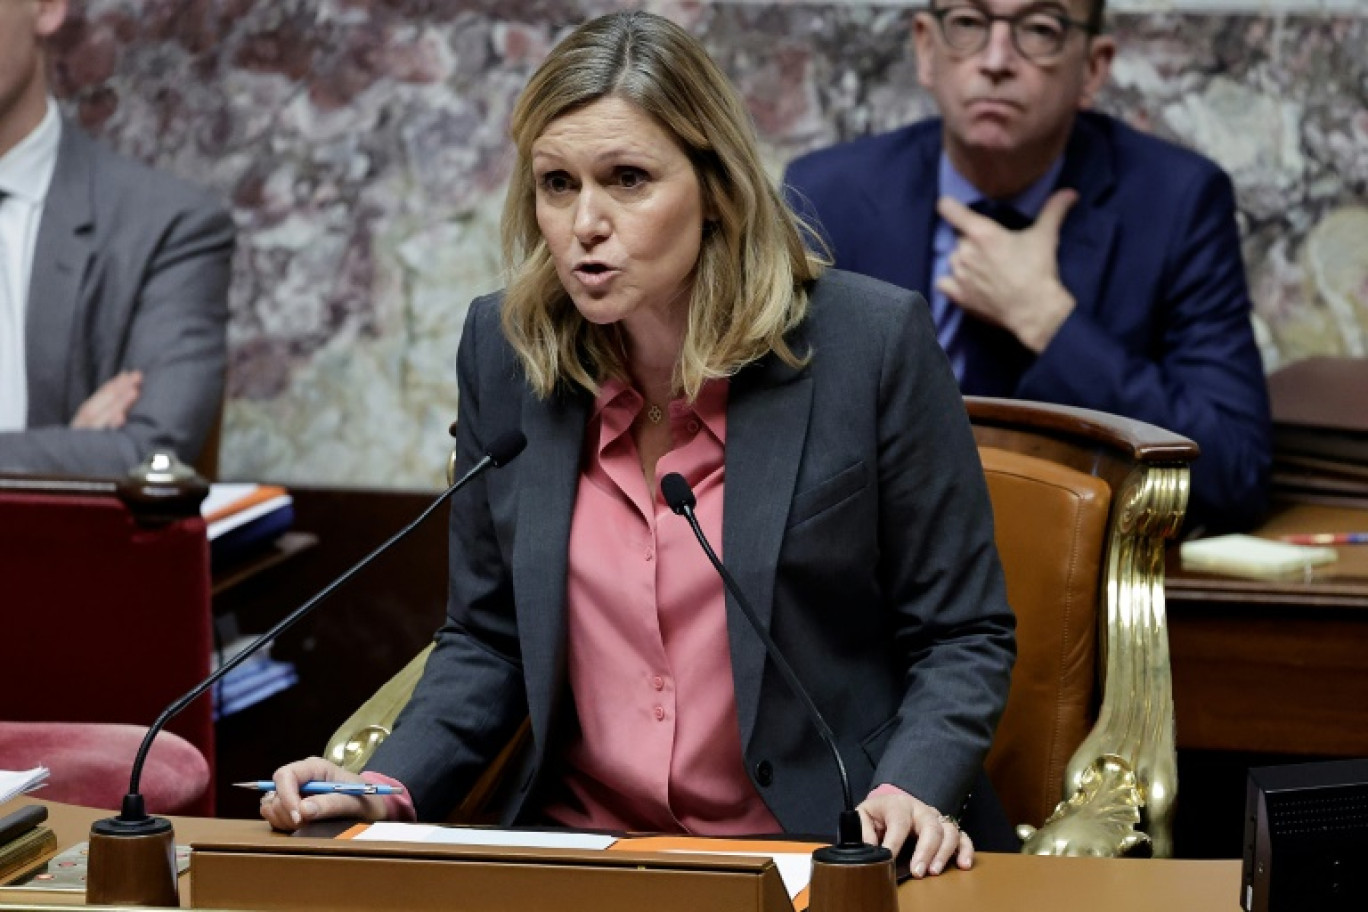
993	359
1005	214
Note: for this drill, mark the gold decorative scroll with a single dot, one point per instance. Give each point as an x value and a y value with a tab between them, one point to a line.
1123	777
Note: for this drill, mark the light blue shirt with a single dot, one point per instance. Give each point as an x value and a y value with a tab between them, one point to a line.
1028	202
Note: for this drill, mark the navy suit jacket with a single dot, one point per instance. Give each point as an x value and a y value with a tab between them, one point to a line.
1151	254
855	518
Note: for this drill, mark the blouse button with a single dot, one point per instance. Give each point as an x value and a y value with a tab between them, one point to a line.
658	682
659	713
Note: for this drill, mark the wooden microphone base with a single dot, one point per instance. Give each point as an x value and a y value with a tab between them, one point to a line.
132	864
853	879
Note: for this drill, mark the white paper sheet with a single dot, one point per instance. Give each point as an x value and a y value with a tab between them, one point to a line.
21	782
795	868
474	836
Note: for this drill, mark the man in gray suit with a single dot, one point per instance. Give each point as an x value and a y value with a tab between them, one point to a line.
113	285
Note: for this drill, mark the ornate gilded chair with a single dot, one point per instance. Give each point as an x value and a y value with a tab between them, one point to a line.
1083	504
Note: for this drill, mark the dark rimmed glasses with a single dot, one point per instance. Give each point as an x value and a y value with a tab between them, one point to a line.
1037	34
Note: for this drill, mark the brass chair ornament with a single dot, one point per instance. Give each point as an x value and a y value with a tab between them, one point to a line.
1128	764
1098	820
1119	784
357	738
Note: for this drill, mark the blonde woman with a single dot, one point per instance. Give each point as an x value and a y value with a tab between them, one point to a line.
663	316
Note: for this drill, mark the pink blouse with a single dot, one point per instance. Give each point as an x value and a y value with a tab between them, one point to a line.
658	746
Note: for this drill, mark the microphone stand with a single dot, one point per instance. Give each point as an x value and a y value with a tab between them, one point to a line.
132	856
851	876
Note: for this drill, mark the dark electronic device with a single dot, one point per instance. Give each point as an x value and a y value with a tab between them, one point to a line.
1306	838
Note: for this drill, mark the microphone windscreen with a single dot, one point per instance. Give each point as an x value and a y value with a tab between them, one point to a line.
506	446
678	494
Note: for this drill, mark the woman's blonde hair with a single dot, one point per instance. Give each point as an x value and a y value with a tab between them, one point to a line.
750	285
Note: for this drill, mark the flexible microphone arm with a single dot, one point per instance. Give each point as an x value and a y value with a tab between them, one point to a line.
680	498
504	448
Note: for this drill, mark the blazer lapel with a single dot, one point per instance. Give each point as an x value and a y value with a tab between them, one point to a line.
904	223
546	497
61	255
1088	235
767	420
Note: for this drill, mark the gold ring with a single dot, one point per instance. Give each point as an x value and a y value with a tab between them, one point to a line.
950	819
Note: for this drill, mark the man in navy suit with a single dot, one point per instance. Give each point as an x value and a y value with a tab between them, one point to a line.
1068	258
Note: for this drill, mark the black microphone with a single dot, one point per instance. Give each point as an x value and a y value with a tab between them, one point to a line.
108	857
680	498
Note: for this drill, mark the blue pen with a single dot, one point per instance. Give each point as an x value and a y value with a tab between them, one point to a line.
316	787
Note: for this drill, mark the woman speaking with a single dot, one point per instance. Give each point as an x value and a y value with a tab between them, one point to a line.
663	316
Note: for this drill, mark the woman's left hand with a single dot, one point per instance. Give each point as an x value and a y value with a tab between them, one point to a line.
890	815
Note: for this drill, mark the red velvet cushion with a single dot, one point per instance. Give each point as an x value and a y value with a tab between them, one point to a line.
112	617
90	763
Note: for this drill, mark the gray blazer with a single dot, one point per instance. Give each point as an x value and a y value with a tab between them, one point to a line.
130	271
855	518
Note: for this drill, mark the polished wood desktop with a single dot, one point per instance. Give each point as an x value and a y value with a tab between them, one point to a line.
1275	665
996	882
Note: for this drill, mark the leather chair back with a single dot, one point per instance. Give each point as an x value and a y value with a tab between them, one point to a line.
1050	523
1083	503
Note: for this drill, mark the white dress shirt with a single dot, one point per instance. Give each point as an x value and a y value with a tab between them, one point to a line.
25	175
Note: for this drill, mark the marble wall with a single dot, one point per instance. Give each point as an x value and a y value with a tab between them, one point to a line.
362	146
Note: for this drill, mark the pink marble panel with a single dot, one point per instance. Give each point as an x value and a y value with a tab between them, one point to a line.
362	145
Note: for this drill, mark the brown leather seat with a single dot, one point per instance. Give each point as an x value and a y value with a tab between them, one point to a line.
1082	504
1050	521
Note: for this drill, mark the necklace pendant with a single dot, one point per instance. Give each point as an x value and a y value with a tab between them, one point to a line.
655	414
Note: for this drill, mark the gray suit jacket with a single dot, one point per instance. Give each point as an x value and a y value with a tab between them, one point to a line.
855	518
130	271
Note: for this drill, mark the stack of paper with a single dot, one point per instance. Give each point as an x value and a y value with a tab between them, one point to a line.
1246	555
242	518
21	782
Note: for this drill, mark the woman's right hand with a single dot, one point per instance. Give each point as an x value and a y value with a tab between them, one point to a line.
285	809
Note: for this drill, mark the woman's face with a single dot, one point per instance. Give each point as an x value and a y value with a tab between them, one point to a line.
621	210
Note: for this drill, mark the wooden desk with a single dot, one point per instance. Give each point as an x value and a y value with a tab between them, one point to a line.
1275	666
997	881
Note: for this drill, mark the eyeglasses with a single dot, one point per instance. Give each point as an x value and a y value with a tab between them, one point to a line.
1036	34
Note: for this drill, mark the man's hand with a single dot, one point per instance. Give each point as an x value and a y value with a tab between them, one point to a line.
889	815
109	405
1010	278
